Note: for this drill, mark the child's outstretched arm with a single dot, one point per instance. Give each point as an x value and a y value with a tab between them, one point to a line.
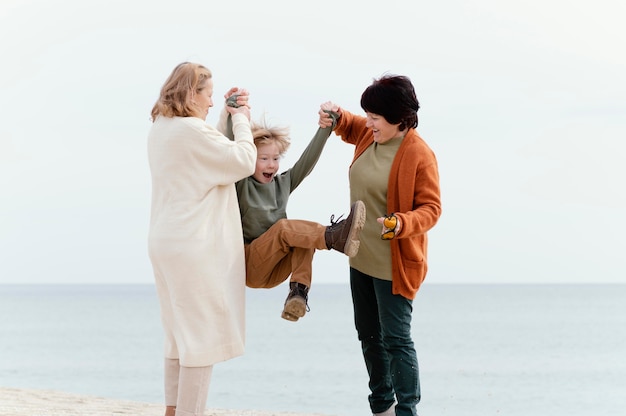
309	157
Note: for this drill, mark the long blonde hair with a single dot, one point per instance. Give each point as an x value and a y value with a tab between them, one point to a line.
176	97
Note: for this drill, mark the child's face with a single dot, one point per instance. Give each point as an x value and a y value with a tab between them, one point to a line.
267	162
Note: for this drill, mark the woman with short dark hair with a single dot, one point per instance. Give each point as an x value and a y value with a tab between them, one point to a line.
395	174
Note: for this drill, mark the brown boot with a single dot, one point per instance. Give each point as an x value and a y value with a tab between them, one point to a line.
296	304
343	236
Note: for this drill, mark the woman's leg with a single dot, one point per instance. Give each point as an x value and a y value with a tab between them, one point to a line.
193	390
395	312
171	373
368	328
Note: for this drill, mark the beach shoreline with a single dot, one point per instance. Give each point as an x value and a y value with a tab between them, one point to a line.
31	402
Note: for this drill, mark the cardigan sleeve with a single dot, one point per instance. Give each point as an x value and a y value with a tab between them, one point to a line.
350	127
420	209
353	130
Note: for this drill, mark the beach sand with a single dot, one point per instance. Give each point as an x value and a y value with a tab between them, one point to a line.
25	402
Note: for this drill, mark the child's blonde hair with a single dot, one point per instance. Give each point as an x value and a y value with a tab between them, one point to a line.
264	134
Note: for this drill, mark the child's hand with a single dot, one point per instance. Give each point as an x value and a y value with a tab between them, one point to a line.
325	119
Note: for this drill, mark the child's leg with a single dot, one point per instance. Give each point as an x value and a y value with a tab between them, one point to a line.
304	237
286	248
265	271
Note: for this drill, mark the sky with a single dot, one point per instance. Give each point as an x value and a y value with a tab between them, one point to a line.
523	103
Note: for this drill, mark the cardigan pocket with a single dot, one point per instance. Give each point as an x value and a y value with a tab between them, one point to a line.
414	264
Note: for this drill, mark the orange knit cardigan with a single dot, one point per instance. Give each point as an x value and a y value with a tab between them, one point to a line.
412	194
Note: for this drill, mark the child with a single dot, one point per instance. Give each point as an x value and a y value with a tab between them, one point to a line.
277	247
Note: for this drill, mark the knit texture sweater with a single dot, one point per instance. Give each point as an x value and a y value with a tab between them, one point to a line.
369	177
413	194
195	237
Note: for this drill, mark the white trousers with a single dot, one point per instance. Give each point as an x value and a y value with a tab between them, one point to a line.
187	388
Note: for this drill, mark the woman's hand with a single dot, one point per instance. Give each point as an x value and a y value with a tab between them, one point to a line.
325	119
237	101
391	226
240	96
239	110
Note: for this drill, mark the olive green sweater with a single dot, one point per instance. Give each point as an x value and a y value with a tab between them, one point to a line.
412	194
262	204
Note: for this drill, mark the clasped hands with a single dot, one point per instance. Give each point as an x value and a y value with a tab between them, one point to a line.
325	119
239	99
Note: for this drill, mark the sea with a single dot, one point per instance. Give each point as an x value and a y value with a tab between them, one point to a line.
483	349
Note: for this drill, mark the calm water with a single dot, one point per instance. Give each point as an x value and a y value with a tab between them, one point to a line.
483	349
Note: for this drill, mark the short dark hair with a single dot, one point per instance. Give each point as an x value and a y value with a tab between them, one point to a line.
393	97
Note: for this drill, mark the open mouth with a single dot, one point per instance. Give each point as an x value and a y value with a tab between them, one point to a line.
268	175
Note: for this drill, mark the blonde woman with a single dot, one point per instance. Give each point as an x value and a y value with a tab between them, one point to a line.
195	239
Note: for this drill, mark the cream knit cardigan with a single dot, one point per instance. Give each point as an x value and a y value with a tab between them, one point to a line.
195	239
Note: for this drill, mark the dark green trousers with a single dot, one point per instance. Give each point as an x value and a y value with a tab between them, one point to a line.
383	325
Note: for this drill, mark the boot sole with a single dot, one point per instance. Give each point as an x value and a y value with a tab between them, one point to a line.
289	317
295	308
358	221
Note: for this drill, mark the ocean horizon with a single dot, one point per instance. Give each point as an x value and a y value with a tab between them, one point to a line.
483	349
